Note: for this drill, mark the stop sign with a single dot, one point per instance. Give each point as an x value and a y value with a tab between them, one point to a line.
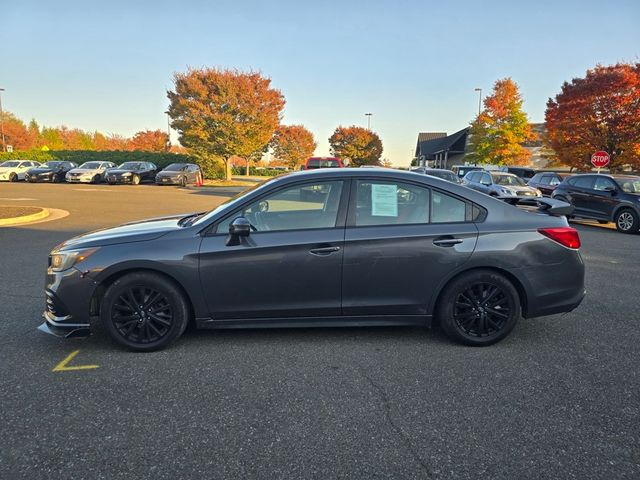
600	159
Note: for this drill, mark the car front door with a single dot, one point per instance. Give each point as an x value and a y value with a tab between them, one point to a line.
401	240
290	264
604	196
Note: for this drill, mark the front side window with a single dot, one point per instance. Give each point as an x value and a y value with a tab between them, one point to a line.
390	203
299	207
602	183
583	182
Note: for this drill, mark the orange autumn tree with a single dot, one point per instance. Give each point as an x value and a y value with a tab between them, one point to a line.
150	141
497	133
220	113
293	144
598	112
356	144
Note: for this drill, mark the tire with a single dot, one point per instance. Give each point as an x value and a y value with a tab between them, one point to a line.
55	179
111	183
95	179
627	221
183	181
463	308
13	177
137	328
135	180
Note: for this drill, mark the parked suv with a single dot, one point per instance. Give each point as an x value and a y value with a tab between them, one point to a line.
606	198
499	184
547	182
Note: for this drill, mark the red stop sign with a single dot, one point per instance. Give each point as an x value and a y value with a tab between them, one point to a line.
600	159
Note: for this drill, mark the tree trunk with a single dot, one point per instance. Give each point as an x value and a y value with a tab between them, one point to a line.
227	169
247	172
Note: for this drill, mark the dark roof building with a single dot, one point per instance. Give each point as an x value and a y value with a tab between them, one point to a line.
441	150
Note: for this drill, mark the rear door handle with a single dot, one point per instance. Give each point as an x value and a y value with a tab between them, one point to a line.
447	242
324	251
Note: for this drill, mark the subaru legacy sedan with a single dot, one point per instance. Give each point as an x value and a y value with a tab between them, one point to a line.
329	247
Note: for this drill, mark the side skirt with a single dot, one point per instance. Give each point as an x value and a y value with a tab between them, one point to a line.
307	322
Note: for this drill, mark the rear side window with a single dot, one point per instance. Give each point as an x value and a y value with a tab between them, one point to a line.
583	182
447	209
473	177
544	180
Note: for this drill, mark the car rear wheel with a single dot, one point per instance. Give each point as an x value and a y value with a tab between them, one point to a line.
627	221
144	311
135	180
478	308
13	177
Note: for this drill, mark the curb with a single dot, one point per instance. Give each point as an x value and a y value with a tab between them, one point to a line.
5	222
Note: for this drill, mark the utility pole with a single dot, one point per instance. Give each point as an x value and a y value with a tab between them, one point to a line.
479	100
168	132
368	115
4	144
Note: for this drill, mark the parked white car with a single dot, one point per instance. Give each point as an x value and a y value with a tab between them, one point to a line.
14	170
89	172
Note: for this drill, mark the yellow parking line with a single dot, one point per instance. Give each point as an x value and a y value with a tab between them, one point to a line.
62	366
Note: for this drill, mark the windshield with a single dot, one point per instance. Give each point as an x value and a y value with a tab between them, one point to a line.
9	164
175	167
449	176
90	165
629	185
510	180
130	166
233	200
51	164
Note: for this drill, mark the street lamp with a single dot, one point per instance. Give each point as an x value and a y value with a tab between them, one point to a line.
368	115
168	131
479	99
4	144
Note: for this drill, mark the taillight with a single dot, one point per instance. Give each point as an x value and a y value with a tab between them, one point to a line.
566	236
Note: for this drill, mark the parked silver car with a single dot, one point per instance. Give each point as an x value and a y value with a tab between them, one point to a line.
89	172
499	184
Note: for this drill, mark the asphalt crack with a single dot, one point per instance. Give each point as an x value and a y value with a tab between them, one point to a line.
386	407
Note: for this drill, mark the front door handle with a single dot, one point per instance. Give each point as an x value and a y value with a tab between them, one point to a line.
324	251
447	242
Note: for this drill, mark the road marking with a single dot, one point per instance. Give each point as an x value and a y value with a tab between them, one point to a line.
62	366
18	199
93	190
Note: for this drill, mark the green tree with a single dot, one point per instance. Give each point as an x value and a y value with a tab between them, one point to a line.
356	144
497	133
293	144
219	113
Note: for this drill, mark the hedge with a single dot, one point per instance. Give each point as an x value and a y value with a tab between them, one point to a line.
161	159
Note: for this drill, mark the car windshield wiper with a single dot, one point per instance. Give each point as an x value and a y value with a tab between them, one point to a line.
189	219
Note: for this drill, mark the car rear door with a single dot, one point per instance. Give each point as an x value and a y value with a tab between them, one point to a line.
291	263
401	239
581	191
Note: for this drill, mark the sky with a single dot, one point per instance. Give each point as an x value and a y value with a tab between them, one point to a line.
414	65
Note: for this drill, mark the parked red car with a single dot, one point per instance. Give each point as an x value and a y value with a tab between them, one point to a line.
323	162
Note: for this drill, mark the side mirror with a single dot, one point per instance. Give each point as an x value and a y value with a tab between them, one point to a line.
612	190
240	227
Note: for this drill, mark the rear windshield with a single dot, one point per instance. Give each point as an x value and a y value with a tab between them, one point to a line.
131	166
507	180
323	163
629	185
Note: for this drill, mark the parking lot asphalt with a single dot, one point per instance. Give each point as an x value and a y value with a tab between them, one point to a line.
559	398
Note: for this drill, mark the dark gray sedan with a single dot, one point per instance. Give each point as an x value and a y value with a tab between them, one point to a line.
181	174
330	247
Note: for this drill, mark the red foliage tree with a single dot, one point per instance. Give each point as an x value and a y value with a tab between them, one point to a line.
150	141
598	112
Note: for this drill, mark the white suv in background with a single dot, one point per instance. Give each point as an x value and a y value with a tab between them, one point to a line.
14	170
89	172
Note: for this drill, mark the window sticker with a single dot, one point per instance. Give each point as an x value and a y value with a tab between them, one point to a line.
384	200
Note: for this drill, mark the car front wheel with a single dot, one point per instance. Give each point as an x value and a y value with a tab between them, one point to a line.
135	180
478	308
627	221
144	311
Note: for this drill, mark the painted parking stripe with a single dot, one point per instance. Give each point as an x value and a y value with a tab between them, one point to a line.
63	366
18	199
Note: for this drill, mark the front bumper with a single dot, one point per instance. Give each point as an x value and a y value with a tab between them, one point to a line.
111	179
68	303
167	181
39	178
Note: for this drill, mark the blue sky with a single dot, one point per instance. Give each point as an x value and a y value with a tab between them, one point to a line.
413	64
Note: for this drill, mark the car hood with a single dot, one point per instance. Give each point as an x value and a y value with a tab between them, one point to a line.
129	232
516	188
85	170
37	170
119	171
8	169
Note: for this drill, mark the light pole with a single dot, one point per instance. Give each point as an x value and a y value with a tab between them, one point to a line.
368	115
479	99
4	144
168	131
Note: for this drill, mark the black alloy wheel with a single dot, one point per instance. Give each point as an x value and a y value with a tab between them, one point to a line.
144	311
183	181
479	308
13	177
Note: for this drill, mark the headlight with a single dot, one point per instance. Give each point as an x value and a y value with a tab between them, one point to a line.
62	261
128	174
538	192
506	191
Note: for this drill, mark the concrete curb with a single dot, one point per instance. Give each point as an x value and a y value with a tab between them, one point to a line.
6	222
